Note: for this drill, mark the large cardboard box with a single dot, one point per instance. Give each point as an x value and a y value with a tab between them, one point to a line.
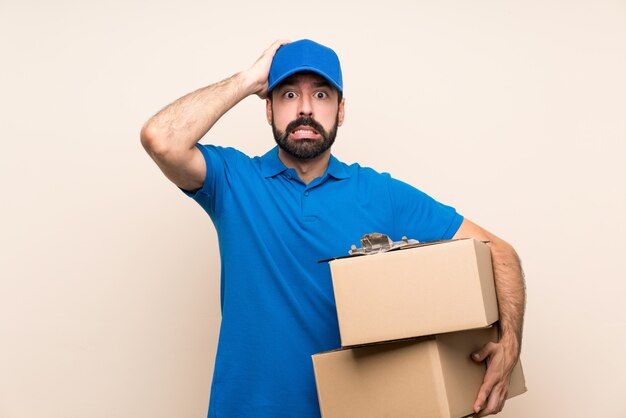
429	377
424	290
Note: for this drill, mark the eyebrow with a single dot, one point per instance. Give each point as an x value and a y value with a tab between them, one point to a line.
322	83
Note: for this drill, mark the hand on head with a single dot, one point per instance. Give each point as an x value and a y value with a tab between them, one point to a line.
258	73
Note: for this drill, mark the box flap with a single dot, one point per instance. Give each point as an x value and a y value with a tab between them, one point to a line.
484	268
517	386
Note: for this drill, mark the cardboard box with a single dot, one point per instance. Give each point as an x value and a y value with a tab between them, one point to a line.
429	377
424	290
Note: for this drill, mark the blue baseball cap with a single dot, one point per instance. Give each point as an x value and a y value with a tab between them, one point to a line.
305	55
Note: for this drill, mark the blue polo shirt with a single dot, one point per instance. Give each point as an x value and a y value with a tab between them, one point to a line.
277	300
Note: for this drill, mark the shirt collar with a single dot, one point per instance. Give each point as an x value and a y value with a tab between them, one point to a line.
271	166
337	169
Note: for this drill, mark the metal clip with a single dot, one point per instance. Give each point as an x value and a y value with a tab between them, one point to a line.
378	243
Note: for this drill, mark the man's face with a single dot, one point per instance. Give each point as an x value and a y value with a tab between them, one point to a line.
305	113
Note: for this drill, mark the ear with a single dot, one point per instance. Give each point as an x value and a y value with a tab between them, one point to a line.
341	112
268	110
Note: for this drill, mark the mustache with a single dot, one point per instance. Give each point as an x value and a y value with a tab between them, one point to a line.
305	121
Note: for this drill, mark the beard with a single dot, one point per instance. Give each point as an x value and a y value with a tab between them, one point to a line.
305	148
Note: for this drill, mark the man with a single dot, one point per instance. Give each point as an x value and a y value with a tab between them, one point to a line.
278	214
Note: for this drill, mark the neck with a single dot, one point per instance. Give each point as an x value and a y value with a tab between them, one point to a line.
307	170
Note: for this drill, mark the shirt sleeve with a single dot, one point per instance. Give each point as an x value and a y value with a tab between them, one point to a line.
419	216
220	162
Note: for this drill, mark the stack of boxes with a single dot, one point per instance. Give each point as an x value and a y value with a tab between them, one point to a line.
409	320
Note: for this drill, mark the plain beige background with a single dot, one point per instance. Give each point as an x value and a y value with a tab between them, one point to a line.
513	112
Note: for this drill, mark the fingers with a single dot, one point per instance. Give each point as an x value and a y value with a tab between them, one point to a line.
483	395
275	45
488	383
495	401
269	53
493	391
484	353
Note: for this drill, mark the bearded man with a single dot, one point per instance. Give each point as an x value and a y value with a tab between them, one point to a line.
296	205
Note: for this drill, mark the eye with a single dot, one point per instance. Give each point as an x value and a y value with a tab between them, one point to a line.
289	94
321	95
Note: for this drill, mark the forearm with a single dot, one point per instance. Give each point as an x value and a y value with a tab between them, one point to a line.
511	292
180	125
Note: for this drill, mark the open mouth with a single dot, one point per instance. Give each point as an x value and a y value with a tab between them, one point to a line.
304	132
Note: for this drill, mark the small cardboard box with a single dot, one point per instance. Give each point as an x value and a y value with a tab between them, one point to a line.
423	290
429	377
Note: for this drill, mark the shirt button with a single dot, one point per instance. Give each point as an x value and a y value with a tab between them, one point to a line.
306	193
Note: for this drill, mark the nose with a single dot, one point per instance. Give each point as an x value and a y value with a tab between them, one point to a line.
305	108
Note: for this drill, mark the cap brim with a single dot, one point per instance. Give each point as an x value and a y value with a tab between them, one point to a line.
299	70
